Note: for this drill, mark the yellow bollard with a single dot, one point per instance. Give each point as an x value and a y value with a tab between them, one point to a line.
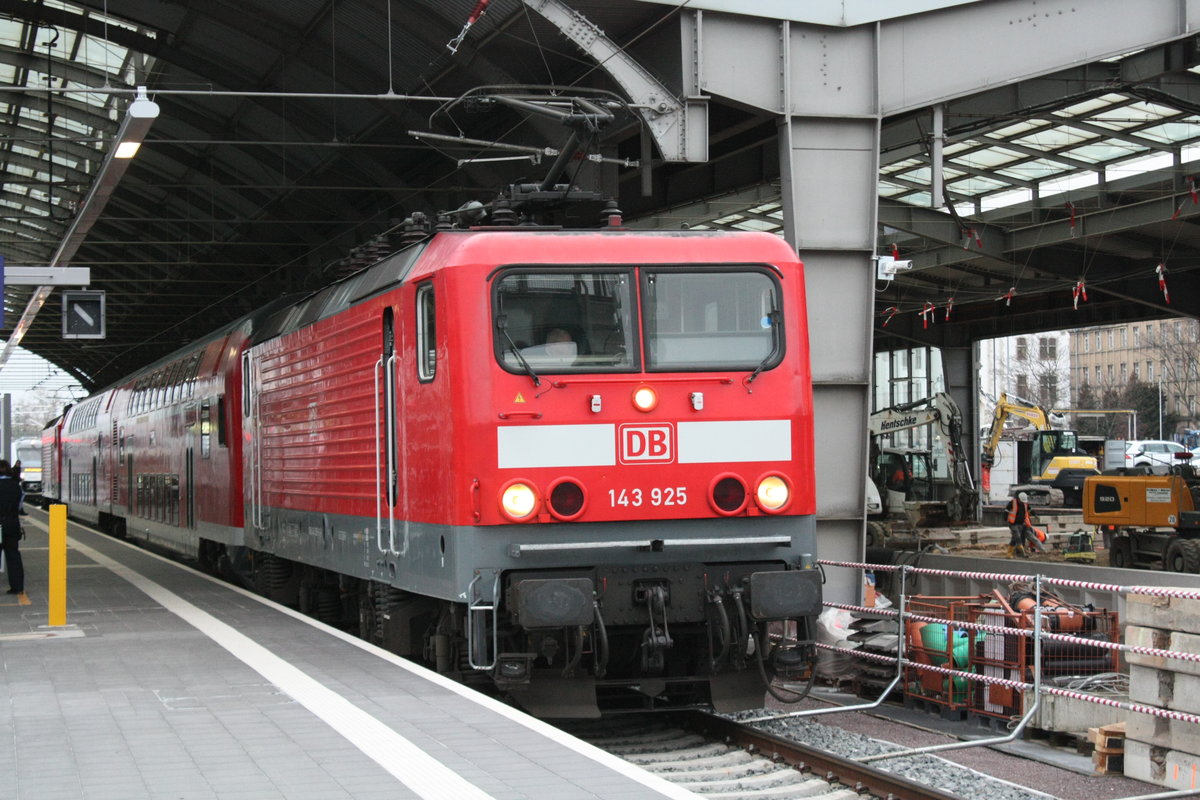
58	565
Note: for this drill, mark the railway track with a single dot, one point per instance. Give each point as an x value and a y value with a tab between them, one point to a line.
721	758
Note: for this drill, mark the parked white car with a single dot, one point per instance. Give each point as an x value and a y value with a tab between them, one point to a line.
1158	455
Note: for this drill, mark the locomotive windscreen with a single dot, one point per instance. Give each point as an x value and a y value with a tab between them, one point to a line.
565	321
583	321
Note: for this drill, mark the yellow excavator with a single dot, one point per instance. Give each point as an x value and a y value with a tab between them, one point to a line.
1057	467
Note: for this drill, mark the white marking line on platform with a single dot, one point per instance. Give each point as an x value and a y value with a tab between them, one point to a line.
425	775
619	765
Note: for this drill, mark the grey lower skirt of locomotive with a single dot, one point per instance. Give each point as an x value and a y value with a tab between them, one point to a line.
625	639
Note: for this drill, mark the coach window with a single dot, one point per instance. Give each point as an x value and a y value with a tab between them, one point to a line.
205	428
221	421
426	333
719	320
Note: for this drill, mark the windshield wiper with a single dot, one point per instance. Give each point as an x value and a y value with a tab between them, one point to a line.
502	325
774	348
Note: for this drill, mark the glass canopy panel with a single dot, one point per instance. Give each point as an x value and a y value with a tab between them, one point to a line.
1173	132
1137	166
10	32
1068	183
1132	115
1014	130
767	225
921	175
1056	138
976	185
901	166
989	158
888	189
1085	108
75	128
1033	170
1015	197
1104	151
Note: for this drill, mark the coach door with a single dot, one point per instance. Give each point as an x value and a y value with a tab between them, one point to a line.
388	473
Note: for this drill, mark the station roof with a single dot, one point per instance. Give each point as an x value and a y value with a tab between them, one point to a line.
281	158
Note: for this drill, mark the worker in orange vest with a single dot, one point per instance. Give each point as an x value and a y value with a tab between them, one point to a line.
1019	525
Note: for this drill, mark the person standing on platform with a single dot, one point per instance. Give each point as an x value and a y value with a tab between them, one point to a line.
10	528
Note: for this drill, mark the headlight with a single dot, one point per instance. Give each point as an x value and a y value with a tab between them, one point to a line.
645	398
773	494
518	501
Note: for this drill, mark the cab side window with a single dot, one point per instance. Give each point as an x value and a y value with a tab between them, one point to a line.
426	333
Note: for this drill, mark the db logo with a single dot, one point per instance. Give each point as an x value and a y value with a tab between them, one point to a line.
647	443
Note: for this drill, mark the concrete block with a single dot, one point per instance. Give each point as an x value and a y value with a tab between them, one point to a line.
1151	687
1167	613
1143	636
1139	761
1162	766
1187	693
1072	715
1165	733
1164	689
1160	639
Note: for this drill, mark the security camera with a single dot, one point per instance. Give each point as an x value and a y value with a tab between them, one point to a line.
886	267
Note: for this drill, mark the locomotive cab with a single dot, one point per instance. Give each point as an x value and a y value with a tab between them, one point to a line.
653	482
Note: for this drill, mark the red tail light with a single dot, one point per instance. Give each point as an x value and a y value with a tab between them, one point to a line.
567	500
728	495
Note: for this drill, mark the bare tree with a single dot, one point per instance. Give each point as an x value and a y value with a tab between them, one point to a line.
1171	345
32	410
1042	372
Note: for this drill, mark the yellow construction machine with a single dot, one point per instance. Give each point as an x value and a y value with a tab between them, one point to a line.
1056	468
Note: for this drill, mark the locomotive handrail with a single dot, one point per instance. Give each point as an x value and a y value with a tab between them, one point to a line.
390	440
400	445
376	447
642	378
515	550
378	503
511	414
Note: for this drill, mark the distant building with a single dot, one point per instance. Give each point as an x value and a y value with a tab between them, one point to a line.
1033	367
1162	353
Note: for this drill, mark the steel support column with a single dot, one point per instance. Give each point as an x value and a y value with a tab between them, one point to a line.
828	153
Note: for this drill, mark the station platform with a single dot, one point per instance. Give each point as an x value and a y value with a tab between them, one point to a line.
167	683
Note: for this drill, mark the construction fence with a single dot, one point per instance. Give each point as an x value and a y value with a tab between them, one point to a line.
999	655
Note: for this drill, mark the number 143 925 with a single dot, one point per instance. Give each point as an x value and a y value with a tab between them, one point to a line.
658	496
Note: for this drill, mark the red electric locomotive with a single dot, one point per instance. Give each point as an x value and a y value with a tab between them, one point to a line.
578	464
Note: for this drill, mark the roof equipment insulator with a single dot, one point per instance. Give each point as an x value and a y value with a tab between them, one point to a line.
502	214
444	223
611	216
416	228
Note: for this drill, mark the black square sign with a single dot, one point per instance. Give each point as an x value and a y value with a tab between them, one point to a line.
83	315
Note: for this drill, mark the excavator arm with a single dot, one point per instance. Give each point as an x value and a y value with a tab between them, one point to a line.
1005	409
